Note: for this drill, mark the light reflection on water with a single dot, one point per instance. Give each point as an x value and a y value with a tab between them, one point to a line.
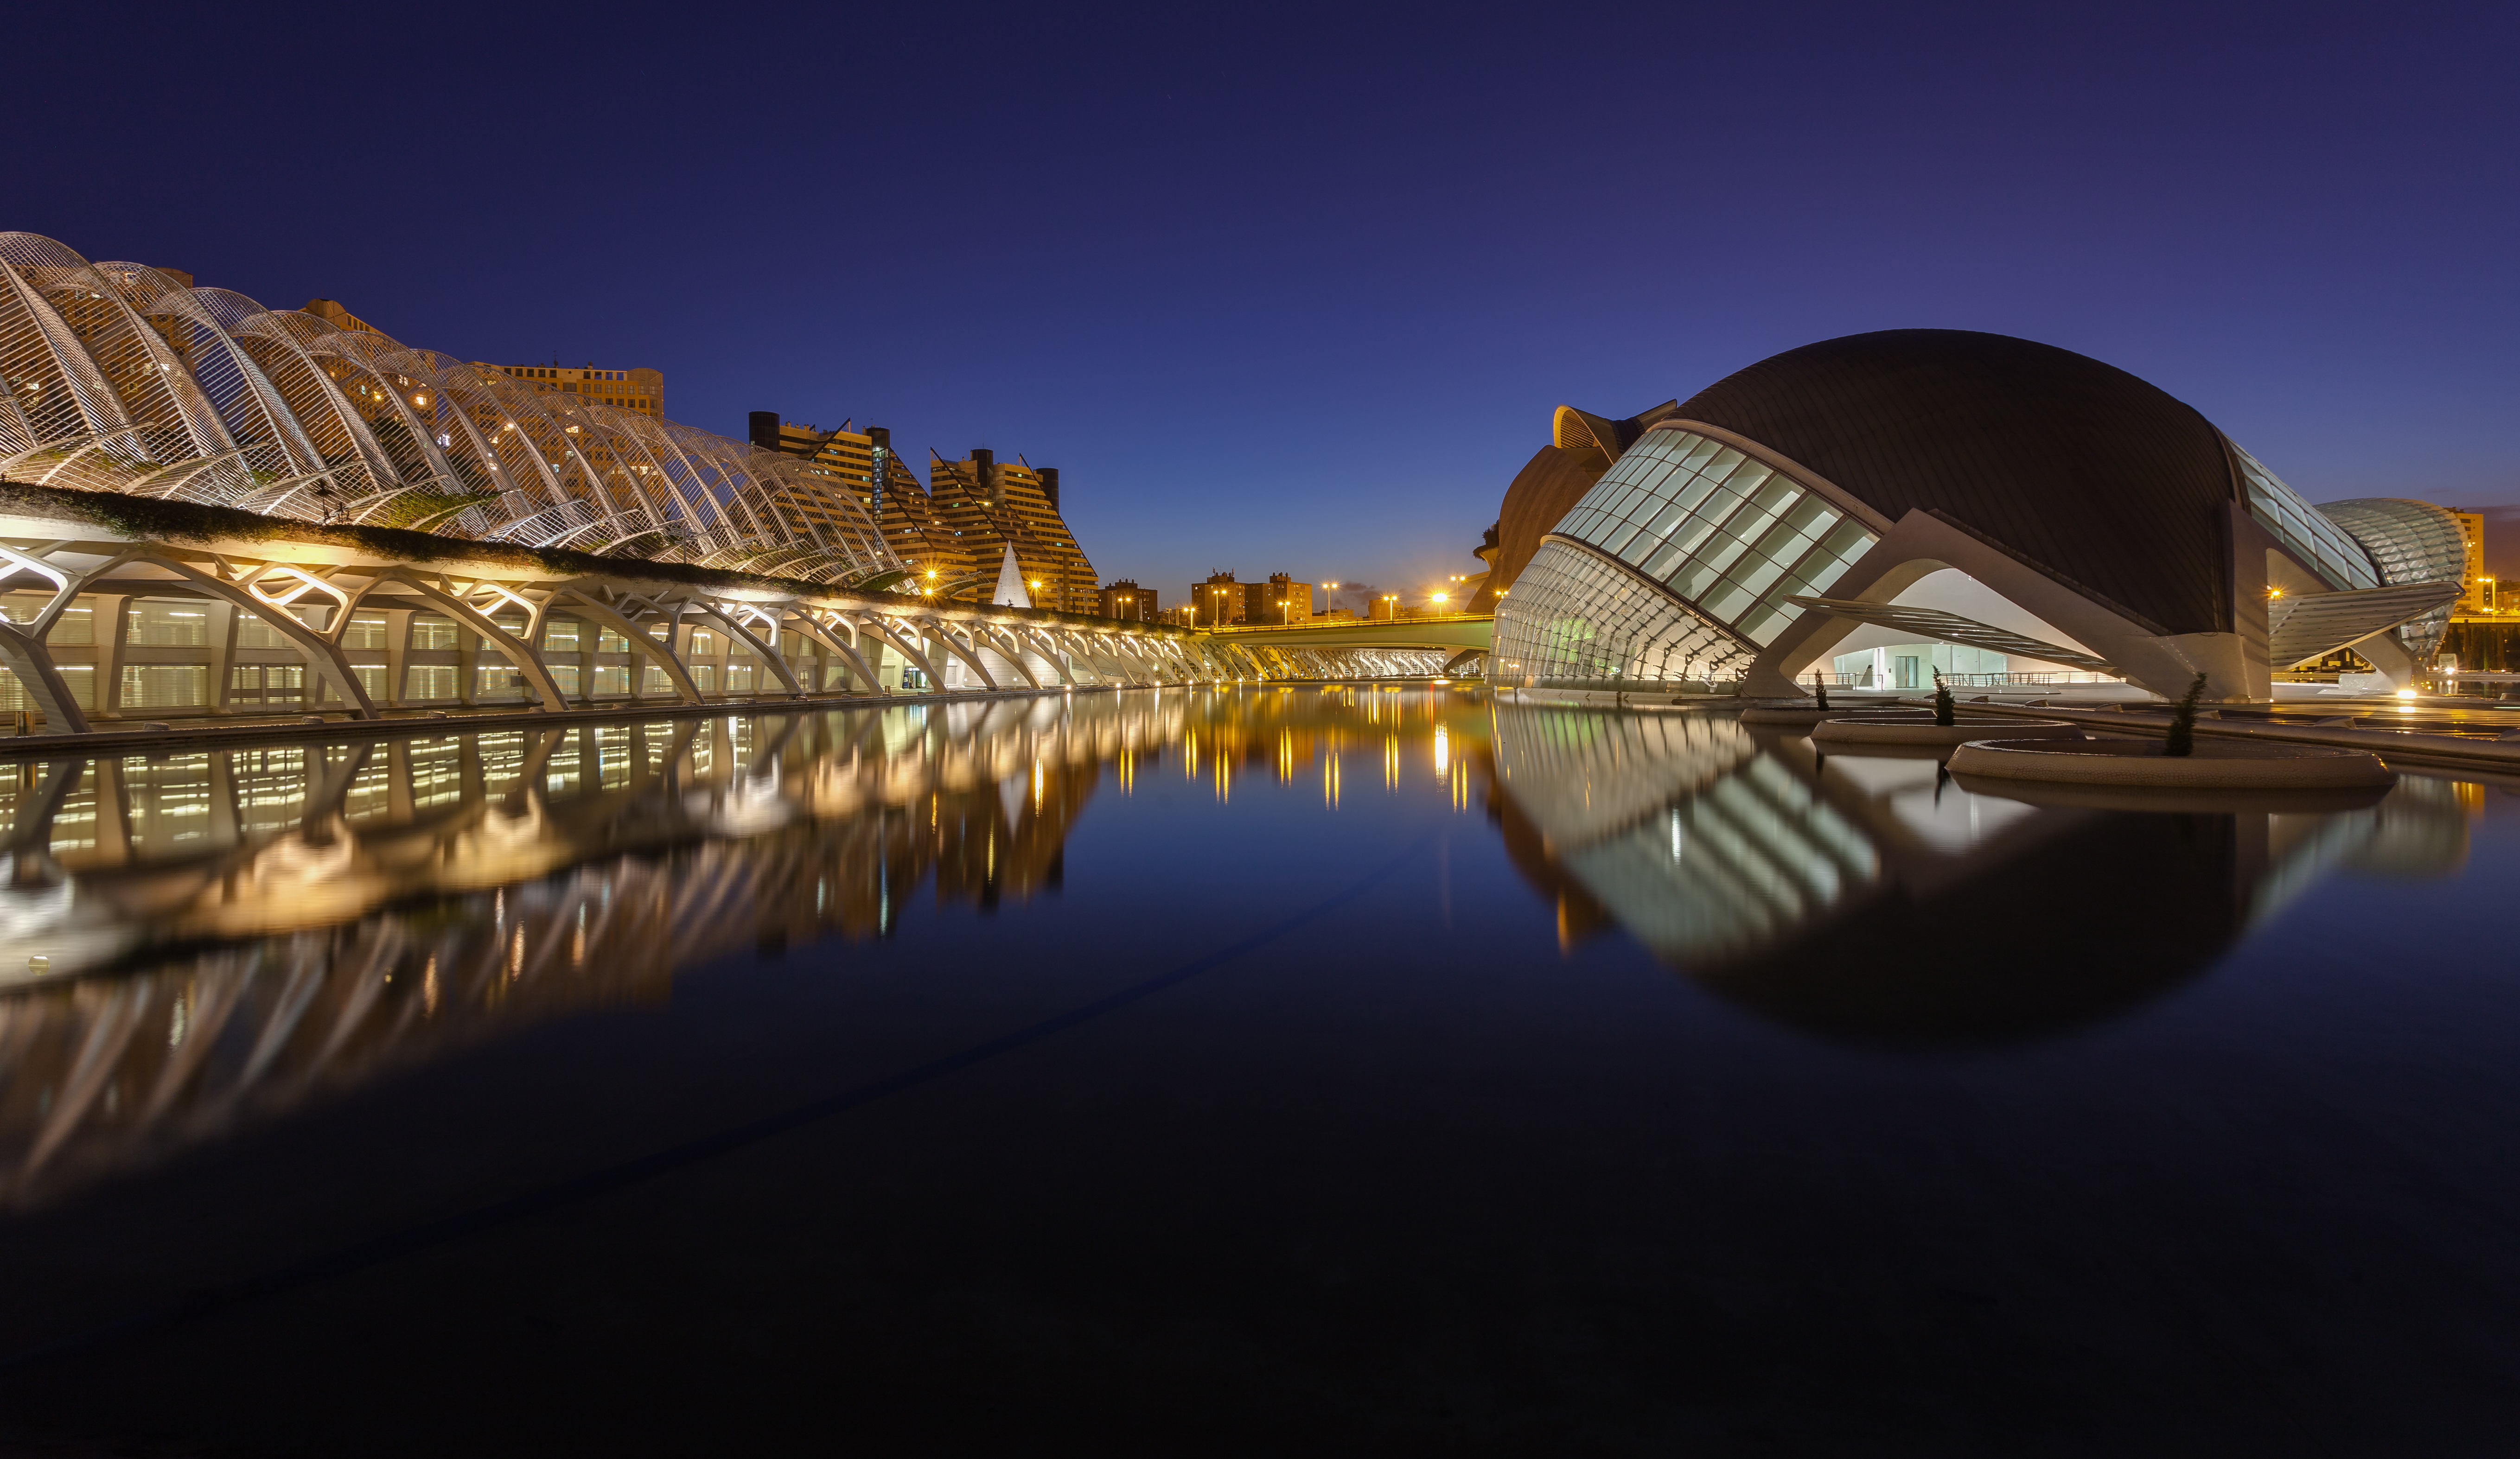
208	936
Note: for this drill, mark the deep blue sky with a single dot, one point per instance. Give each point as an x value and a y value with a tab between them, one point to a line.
1285	289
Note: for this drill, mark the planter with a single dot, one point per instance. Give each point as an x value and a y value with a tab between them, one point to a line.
2140	764
1922	730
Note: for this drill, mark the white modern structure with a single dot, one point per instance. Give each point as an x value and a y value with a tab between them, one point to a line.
122	377
1991	494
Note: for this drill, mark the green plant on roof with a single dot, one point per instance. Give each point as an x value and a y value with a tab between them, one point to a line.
1942	700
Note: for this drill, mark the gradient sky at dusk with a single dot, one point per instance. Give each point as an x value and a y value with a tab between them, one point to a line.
1297	289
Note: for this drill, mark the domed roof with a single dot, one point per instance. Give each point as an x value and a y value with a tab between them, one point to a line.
2098	477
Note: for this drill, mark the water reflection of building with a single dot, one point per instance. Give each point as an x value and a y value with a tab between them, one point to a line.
334	911
1873	897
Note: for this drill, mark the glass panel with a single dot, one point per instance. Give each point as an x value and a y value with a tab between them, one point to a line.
165	686
253	631
76	625
1702	450
179	623
1727	602
1763	626
1751	478
365	630
1757	573
432	632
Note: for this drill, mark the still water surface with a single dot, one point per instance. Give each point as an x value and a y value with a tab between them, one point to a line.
1386	1071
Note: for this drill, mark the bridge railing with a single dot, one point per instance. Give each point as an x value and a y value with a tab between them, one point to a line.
1322	623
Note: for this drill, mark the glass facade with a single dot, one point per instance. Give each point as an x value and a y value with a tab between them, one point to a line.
2411	542
1912	666
1689	549
2328	548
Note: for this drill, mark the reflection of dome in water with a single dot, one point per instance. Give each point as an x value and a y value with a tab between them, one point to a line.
1996	957
1868	899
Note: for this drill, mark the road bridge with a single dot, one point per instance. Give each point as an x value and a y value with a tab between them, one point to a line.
1364	648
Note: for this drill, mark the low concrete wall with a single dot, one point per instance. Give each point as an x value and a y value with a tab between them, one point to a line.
2399	747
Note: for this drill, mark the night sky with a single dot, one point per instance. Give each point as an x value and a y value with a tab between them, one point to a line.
1296	290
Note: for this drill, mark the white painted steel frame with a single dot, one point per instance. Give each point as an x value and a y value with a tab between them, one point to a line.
119	378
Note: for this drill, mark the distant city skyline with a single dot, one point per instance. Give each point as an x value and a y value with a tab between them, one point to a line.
1317	301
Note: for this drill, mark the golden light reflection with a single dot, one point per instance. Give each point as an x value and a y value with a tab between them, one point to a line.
464	881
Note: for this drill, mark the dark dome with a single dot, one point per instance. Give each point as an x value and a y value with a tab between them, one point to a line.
2093	474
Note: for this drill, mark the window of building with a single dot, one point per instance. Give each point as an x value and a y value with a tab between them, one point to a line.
76	625
608	642
498	681
255	631
612	679
431	631
428	681
2301	527
365	630
165	686
254	685
173	623
561	635
1726	533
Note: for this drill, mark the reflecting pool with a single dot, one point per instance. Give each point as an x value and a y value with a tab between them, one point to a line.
1372	1069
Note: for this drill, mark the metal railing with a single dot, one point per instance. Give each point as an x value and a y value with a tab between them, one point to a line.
1277	628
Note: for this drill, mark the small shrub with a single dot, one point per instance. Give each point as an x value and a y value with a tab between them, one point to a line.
1942	700
2183	722
1820	691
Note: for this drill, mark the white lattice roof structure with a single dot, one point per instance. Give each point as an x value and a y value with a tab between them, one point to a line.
120	377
